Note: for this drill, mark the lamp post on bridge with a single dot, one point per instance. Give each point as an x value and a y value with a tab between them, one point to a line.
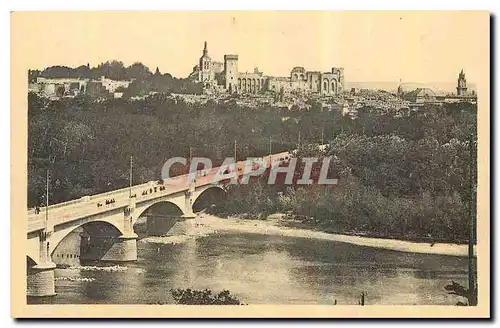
47	203
40	277
130	177
270	151
235	148
46	226
270	145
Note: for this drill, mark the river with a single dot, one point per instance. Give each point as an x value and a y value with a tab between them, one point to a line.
262	268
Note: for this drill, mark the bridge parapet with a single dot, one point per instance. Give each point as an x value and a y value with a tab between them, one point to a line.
53	206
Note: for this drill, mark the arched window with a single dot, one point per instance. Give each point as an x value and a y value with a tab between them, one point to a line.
239	83
295	76
325	86
301	76
334	86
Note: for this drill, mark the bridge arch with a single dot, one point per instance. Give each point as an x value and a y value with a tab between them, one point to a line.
210	195
104	225
160	207
157	218
88	240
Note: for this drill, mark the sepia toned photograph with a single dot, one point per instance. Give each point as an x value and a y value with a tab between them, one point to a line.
328	162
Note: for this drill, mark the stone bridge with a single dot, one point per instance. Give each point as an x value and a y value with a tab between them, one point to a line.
88	229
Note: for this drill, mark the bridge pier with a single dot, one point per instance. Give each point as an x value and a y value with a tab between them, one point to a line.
189	215
40	277
188	203
40	280
123	250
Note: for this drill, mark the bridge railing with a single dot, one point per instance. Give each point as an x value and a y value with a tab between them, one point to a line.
31	211
53	206
110	193
122	190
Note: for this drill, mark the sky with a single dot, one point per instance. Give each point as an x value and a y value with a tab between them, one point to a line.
371	46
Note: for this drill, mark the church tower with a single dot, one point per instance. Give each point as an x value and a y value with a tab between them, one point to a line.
462	84
205	72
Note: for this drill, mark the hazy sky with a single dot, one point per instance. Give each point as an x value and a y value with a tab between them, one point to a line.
371	46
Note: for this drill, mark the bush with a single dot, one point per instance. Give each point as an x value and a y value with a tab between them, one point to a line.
203	297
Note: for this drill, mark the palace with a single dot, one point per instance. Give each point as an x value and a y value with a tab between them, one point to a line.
225	77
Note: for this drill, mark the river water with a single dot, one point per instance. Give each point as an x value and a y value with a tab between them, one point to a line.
263	269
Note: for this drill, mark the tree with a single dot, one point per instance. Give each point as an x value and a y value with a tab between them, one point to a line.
138	71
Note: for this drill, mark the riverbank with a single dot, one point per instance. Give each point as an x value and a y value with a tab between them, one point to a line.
275	225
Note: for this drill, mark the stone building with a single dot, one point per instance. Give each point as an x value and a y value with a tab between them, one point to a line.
112	85
207	71
62	87
226	77
254	82
302	81
58	87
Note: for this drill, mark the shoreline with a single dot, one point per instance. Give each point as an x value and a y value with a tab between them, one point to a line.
273	225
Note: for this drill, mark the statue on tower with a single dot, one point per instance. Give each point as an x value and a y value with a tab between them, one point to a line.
461	84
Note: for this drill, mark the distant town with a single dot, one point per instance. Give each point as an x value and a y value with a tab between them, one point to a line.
222	82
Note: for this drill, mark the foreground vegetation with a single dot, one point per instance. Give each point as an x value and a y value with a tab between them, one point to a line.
203	297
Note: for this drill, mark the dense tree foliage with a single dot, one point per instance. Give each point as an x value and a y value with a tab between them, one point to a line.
143	80
400	174
114	70
411	181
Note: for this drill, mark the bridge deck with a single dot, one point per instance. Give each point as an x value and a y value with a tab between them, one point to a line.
87	206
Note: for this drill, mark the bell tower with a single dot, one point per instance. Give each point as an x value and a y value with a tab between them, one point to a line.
205	72
461	84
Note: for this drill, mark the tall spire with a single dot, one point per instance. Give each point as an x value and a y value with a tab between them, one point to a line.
205	50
